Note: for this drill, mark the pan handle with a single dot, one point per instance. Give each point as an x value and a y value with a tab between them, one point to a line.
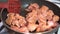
1	13
1	10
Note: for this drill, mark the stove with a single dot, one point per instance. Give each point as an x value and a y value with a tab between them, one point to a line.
4	30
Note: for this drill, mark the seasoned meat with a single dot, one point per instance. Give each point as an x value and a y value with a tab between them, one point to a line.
43	10
32	27
22	21
10	18
15	19
55	18
15	22
44	27
52	24
32	17
50	14
41	19
32	7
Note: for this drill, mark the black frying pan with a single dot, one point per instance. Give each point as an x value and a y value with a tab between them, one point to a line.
25	4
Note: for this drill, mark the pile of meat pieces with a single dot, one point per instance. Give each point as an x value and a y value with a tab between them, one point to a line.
45	18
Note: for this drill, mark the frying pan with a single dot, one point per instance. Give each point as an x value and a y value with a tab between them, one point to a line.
25	4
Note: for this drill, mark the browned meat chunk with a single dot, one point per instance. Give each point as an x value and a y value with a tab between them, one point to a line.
55	18
32	27
32	7
32	17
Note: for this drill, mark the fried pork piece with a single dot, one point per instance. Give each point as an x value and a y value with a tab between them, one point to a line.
43	10
38	29
32	17
22	29
48	26
32	27
52	24
42	13
42	27
10	14
32	7
15	19
15	23
55	18
21	20
50	14
10	17
41	19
